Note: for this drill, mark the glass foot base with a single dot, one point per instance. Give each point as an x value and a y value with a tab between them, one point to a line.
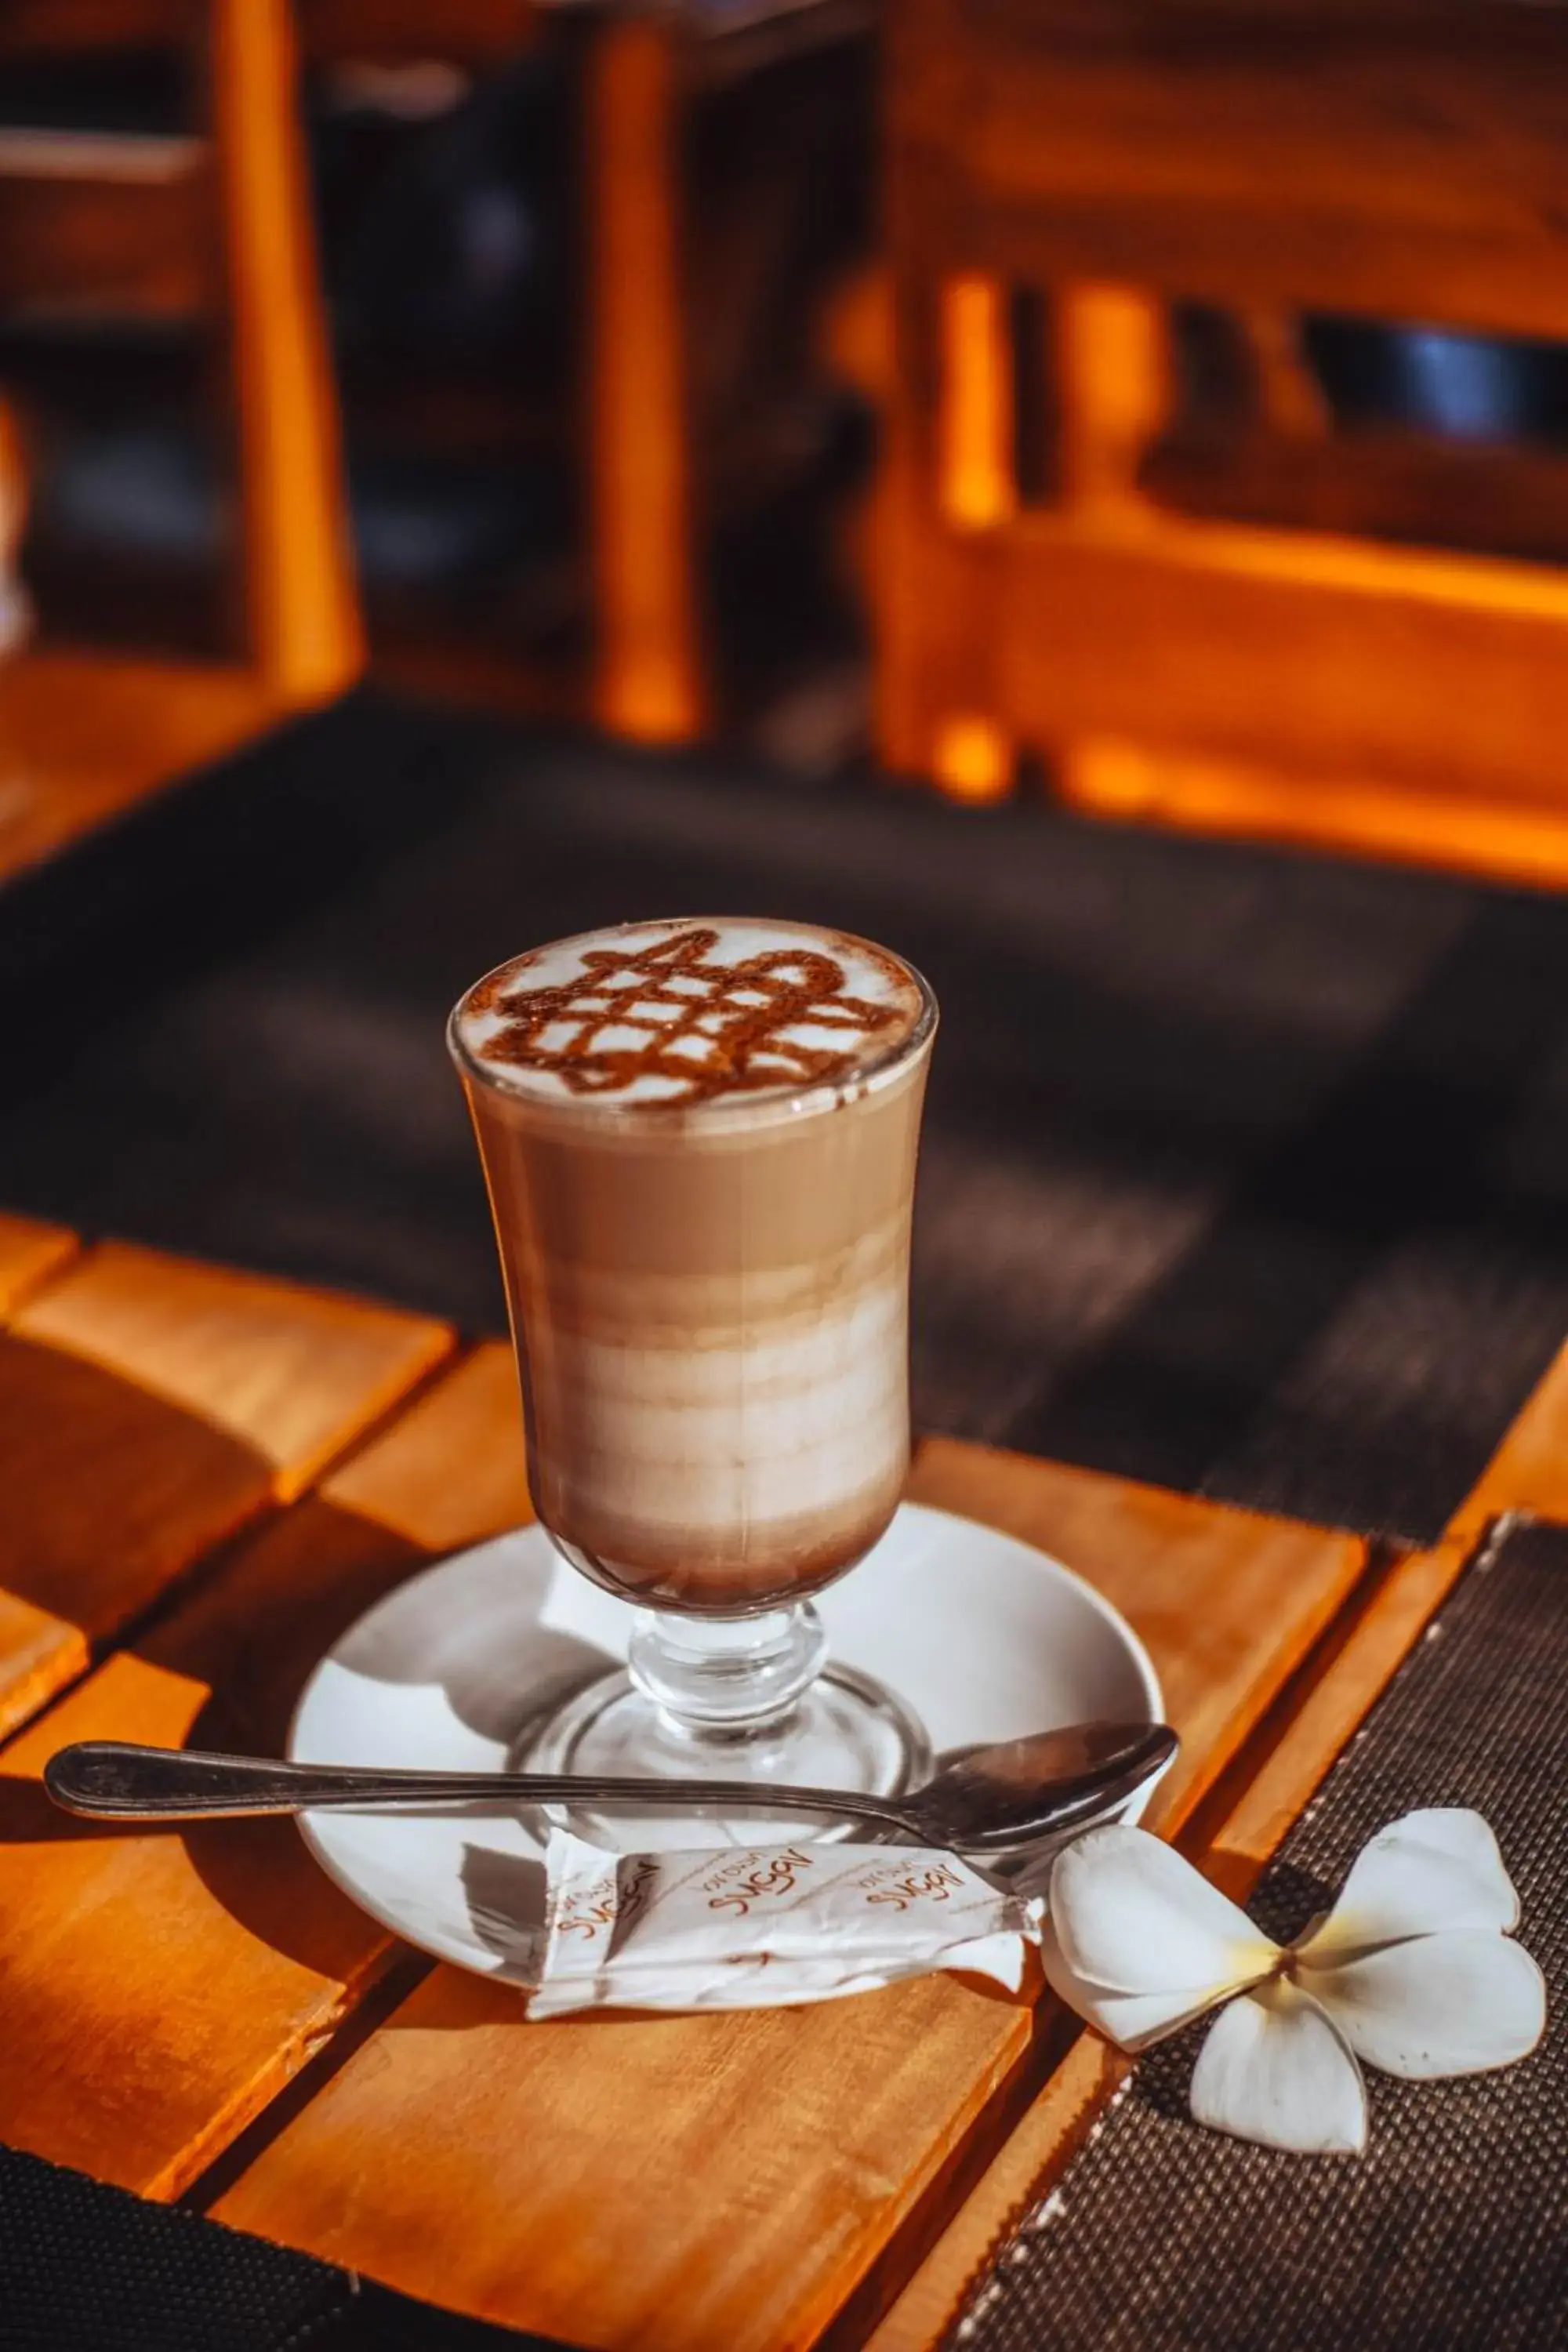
845	1732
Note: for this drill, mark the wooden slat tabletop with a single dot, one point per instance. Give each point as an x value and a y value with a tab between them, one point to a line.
160	1989
726	2181
83	736
211	1476
152	1407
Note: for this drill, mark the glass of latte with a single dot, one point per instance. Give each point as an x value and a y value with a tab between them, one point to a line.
699	1139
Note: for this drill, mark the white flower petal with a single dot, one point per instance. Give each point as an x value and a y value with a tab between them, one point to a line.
1131	2020
1131	1916
1276	2070
1449	2004
1432	1871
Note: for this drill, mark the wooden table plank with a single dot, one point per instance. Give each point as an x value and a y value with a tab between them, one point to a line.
1227	1601
720	2184
30	1251
293	1373
151	1407
1529	1472
159	1988
84	735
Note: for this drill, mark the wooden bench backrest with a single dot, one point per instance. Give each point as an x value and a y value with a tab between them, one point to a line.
169	228
1405	159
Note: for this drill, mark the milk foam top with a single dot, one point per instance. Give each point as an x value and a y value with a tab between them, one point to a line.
706	1009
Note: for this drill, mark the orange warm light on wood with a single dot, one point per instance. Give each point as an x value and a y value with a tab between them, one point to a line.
1120	781
301	602
976	423
649	682
1239	619
1114	391
973	759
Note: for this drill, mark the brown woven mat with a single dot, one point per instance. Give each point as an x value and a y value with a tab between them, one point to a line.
1452	2229
1244	1174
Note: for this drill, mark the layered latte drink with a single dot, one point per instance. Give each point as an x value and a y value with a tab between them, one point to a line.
699	1139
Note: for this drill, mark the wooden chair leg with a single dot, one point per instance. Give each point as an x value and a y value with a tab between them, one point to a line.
1291	400
977	487
302	609
1115	389
649	680
971	755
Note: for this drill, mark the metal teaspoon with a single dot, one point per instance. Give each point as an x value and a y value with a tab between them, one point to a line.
986	1801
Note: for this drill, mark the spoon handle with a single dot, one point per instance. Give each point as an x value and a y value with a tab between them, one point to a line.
111	1780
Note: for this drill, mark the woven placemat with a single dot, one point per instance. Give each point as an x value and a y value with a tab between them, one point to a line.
1452	2229
88	2268
1243	1174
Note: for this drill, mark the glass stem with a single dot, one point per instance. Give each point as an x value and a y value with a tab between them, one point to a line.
725	1678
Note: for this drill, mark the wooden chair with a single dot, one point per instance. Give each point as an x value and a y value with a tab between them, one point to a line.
1060	172
652	473
636	431
171	227
639	429
647	670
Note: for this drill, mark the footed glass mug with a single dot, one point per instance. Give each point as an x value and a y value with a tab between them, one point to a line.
700	1141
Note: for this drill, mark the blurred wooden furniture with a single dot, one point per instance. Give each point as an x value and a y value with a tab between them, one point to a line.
651	677
645	674
649	428
650	467
645	671
1059	174
168	228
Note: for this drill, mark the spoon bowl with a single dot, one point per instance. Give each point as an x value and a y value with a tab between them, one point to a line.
992	1798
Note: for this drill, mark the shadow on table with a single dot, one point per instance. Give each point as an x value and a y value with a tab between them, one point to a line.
325	1582
27	1817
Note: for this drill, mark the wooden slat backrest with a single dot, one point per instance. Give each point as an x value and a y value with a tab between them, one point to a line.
169	226
475	32
65	28
1411	163
106	224
1268	157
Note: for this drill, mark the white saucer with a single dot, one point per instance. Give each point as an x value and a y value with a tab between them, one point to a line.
983	1637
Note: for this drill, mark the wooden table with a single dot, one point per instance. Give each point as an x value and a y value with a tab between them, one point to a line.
210	1475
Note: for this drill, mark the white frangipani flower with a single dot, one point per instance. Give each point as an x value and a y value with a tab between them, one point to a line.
1411	1971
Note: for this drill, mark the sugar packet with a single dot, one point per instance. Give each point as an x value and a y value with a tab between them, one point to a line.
738	1926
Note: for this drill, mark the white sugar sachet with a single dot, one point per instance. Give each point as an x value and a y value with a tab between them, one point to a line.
703	1929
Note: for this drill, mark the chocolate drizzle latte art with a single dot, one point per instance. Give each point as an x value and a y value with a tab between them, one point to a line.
676	1024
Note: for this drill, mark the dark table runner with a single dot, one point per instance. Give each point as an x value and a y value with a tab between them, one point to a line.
1450	2233
1244	1172
85	2268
